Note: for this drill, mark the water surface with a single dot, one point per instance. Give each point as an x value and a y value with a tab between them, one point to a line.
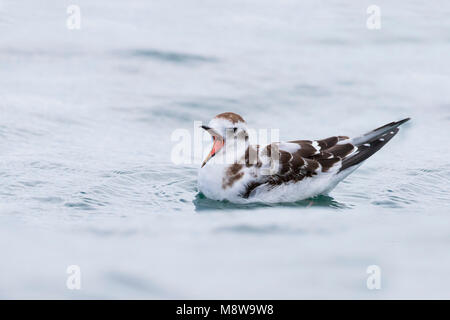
86	118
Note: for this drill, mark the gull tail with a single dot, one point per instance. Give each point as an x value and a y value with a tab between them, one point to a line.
370	143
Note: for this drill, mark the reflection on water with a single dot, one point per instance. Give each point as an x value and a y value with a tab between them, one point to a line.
204	204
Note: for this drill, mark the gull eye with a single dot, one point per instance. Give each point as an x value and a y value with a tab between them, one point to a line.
234	129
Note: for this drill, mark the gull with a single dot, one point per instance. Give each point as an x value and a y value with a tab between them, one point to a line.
239	172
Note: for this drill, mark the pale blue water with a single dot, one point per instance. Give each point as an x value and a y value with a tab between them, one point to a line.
85	170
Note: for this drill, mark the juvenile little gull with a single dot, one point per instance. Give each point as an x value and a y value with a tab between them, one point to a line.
288	171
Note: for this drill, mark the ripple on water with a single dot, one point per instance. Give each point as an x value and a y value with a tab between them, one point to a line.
154	188
260	230
167	56
79	205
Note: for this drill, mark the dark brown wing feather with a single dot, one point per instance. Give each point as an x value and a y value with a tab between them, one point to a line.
321	155
311	158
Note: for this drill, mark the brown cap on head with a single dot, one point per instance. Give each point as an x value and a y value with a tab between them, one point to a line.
231	116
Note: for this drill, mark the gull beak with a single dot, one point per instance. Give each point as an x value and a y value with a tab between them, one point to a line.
218	143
